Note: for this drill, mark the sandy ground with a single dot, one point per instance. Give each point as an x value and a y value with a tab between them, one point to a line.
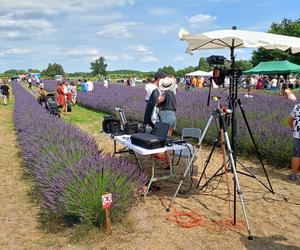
274	219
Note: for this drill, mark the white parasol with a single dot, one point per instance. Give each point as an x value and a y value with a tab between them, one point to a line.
234	38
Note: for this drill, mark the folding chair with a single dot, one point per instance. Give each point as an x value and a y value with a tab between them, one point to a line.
192	136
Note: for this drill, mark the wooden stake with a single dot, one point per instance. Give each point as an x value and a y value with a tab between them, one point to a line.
107	221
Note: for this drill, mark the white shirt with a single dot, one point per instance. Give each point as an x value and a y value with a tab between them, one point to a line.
149	87
105	83
274	82
90	86
253	81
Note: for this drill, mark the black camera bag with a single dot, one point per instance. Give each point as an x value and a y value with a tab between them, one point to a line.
111	125
131	128
147	141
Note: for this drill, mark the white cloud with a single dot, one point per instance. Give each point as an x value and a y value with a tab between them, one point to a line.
111	58
149	59
91	53
116	30
25	24
160	11
24	28
141	50
56	6
167	29
178	59
127	56
82	52
201	20
15	52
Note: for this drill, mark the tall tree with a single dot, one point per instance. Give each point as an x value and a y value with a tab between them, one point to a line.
98	67
204	65
288	28
168	70
53	69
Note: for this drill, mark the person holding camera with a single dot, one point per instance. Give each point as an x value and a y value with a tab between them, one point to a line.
294	122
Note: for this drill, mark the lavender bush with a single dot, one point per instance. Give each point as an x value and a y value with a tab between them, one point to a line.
266	114
67	166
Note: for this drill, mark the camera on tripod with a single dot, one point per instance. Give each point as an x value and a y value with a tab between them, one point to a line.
220	72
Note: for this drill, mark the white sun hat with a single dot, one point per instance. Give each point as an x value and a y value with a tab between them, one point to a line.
167	83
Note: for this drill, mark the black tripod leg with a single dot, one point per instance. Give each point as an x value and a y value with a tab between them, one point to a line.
208	159
212	177
270	188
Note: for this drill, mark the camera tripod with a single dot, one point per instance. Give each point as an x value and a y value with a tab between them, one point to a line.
219	114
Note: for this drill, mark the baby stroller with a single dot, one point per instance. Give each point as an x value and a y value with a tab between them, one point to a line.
49	103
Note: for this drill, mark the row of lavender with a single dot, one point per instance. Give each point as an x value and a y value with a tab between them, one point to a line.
67	166
266	115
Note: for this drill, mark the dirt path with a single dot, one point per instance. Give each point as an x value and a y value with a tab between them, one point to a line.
19	227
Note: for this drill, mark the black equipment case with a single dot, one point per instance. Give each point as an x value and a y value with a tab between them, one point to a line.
111	125
147	141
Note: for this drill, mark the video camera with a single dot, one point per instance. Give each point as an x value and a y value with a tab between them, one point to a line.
219	73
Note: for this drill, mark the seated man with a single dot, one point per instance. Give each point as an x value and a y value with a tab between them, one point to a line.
41	94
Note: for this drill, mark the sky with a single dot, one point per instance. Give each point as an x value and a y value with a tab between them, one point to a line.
130	34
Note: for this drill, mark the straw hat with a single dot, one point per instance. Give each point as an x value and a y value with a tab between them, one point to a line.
167	83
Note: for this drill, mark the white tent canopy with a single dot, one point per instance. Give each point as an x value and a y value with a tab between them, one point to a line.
238	39
200	73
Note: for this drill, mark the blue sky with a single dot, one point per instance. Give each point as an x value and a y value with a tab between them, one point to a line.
130	34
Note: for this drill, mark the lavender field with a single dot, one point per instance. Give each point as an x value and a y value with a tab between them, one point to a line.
68	169
267	115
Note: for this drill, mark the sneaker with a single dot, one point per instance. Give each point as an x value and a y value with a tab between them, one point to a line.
159	157
293	177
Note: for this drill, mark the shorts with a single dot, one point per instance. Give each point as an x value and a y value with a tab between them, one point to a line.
168	116
296	148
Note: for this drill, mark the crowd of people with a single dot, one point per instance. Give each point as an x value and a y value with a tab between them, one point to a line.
129	81
274	83
66	95
194	82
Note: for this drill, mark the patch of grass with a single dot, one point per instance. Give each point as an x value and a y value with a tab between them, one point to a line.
83	115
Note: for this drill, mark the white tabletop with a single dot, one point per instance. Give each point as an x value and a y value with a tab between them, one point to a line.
125	140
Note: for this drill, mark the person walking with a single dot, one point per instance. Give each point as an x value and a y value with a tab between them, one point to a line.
194	83
5	92
29	82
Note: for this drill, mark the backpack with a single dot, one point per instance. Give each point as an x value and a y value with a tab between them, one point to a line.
111	125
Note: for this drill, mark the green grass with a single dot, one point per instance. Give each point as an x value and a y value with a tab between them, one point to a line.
84	116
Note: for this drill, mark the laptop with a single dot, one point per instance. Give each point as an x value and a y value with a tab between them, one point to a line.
161	130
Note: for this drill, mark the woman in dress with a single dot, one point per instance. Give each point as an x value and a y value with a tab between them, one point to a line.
61	101
73	92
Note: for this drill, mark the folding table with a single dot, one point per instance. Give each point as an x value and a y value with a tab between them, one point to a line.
125	141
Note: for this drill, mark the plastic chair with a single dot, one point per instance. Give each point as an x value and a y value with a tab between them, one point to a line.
192	136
